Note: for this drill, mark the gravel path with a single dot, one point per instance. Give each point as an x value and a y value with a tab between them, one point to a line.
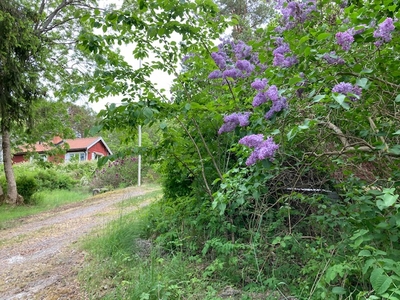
36	257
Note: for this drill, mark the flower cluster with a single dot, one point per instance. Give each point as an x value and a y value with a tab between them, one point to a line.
281	57
345	39
294	13
384	32
233	120
333	59
263	149
346	88
234	60
272	94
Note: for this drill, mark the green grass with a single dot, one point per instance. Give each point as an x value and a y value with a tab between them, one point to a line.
47	200
137	200
123	263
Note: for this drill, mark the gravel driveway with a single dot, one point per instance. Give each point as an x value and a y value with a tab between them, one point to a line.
36	257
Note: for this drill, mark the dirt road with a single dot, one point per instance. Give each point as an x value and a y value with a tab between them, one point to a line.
36	257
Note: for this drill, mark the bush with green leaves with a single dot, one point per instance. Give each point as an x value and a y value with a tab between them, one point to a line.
118	173
292	138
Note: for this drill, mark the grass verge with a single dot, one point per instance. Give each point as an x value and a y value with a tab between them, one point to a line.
47	200
122	263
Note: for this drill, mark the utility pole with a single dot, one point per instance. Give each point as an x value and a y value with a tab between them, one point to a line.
140	140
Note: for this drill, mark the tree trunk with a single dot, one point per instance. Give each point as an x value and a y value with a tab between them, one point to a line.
12	196
1	192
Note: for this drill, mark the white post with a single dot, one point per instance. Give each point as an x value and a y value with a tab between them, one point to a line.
140	141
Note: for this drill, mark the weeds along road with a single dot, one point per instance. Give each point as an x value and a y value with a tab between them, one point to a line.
37	260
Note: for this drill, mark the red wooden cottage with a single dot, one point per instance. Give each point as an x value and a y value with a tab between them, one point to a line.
80	149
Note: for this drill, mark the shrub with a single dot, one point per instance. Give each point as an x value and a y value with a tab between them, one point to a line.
27	185
118	173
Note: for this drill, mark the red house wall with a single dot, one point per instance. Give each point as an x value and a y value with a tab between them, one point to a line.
18	159
98	148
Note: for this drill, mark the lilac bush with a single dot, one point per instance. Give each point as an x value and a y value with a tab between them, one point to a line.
121	172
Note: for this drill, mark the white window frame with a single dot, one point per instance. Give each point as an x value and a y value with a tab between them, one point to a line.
70	155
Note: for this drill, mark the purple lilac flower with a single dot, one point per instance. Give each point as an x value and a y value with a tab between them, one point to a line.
252	140
233	120
281	61
273	93
345	39
215	74
346	88
294	13
259	99
245	66
259	84
332	59
280	58
219	60
186	57
227	127
235	60
359	31
262	149
242	51
277	106
282	49
232	73
384	32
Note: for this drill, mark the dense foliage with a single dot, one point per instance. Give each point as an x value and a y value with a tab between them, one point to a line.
280	154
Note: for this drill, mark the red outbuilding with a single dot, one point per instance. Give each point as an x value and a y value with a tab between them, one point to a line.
80	149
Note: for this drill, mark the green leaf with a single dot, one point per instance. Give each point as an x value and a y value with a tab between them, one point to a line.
397	132
387	201
323	36
364	253
397	98
147	112
87	16
395	150
295	80
380	281
303	39
292	133
340	98
362	82
338	290
318	98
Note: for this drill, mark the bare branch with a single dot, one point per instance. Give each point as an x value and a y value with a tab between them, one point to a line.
338	132
374	128
50	18
58	24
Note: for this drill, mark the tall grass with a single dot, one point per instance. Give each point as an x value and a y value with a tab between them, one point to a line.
124	264
46	200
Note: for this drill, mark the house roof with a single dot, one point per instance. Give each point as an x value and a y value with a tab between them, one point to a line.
85	143
74	145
